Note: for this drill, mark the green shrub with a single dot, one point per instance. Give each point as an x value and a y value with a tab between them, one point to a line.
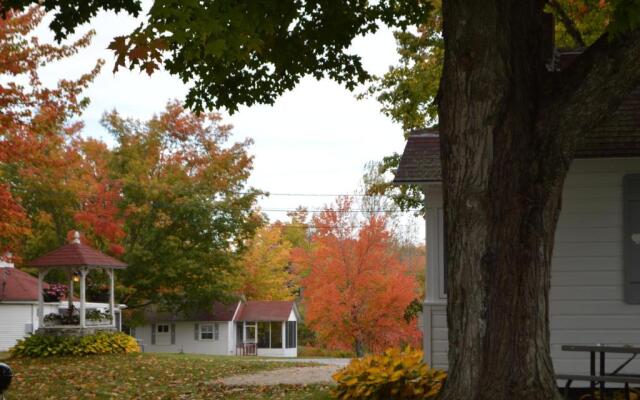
100	343
394	374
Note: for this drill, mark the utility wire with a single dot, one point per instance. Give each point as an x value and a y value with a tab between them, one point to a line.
336	211
267	193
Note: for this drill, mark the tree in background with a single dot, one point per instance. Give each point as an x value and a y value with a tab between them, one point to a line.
39	139
264	272
170	198
186	208
99	218
356	289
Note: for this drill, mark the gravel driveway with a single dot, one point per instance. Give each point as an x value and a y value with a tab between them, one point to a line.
291	376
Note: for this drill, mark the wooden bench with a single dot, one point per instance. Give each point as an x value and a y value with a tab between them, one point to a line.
626	379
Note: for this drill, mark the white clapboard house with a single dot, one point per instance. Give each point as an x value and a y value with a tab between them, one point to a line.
263	328
595	274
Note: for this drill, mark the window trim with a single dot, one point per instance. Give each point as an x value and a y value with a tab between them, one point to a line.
201	332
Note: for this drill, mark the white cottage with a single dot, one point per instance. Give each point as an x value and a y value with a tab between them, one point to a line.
595	277
263	328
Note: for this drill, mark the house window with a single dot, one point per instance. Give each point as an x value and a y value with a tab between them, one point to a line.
263	335
206	332
163	328
270	335
276	335
250	332
291	334
210	332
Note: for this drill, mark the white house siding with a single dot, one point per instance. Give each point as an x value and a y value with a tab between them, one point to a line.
586	297
185	339
587	305
18	320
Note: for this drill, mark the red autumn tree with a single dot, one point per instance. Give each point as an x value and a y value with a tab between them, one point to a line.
41	162
355	288
99	215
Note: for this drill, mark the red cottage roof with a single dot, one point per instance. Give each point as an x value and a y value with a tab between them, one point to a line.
218	312
249	311
265	311
76	254
16	285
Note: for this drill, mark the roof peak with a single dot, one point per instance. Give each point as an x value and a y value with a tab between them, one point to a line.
425	132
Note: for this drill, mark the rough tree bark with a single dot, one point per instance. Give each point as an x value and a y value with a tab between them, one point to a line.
509	127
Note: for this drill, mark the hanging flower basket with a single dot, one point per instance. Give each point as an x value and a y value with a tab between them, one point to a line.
55	292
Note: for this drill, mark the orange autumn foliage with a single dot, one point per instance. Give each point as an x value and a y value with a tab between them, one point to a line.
51	180
356	289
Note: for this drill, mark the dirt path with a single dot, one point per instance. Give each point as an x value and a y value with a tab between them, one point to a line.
288	376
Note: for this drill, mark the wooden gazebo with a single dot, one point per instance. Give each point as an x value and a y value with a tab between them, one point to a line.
77	259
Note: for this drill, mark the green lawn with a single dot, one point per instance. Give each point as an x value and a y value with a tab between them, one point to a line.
145	376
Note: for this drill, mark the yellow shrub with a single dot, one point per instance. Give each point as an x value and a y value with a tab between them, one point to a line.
394	374
100	343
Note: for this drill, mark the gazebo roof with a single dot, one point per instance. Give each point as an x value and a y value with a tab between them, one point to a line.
76	255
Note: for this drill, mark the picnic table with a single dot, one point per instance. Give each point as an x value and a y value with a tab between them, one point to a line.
602	376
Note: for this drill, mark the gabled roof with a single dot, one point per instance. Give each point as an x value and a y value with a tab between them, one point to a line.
239	311
218	311
266	311
16	285
617	136
76	254
420	161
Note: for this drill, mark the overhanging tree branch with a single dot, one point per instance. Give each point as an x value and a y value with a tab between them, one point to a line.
568	23
591	88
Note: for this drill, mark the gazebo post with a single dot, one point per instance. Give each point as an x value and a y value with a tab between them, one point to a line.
112	297
83	296
70	290
40	299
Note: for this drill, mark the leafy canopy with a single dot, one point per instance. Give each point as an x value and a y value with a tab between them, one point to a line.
186	208
170	198
41	149
246	52
264	272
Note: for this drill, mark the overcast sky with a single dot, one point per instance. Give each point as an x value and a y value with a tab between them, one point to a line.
313	140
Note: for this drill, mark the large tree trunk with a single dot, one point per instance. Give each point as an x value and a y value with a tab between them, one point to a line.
503	178
508	129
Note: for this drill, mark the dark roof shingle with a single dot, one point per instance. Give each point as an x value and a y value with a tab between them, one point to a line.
76	254
249	311
16	285
218	312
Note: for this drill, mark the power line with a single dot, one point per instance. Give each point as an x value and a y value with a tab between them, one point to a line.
351	225
266	193
336	211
